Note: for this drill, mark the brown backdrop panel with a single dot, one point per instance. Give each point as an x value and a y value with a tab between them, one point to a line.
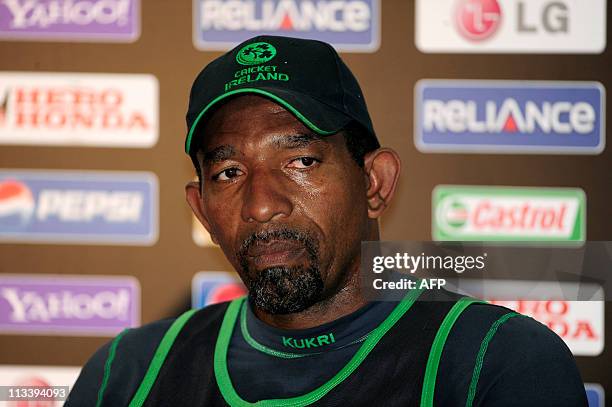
165	50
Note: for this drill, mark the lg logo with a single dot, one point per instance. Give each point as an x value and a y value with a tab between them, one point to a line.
478	20
553	18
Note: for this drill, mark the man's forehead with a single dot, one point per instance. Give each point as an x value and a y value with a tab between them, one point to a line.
253	119
231	113
216	152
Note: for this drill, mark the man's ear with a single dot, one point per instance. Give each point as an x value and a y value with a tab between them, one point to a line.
194	199
382	169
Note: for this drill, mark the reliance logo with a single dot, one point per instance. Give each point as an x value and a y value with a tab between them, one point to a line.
349	25
509	117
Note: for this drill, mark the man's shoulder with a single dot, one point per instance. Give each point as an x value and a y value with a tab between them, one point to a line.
484	323
148	333
497	354
481	323
121	363
494	320
153	332
138	345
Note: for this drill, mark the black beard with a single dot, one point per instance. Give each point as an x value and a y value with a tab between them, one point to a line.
282	289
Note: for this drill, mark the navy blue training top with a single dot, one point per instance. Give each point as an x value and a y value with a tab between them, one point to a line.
525	364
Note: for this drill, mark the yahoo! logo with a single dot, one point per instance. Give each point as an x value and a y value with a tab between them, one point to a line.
71	20
68	305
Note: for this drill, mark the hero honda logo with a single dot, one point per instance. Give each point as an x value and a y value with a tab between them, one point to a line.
508	213
349	25
579	323
509	117
111	110
257	53
78	207
478	19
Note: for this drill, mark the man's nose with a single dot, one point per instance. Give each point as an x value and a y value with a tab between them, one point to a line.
266	197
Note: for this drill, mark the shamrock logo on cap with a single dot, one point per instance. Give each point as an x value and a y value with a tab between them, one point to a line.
256	53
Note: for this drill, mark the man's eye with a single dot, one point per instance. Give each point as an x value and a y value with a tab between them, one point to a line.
227	174
303	162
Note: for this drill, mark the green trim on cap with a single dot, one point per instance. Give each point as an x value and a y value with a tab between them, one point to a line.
277	99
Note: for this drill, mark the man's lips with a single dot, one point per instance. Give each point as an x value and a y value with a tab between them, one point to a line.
275	252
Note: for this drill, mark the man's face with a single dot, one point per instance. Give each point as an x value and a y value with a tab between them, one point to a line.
288	208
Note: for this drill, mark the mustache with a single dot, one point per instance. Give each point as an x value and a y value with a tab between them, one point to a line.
282	233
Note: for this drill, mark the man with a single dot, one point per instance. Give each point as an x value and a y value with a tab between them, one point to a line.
291	180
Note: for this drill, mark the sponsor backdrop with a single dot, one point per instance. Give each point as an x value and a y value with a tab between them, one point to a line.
497	108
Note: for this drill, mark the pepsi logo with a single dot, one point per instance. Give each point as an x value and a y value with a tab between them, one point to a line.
209	288
16	202
477	20
48	205
225	292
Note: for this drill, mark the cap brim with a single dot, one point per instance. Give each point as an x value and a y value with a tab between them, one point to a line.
317	116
